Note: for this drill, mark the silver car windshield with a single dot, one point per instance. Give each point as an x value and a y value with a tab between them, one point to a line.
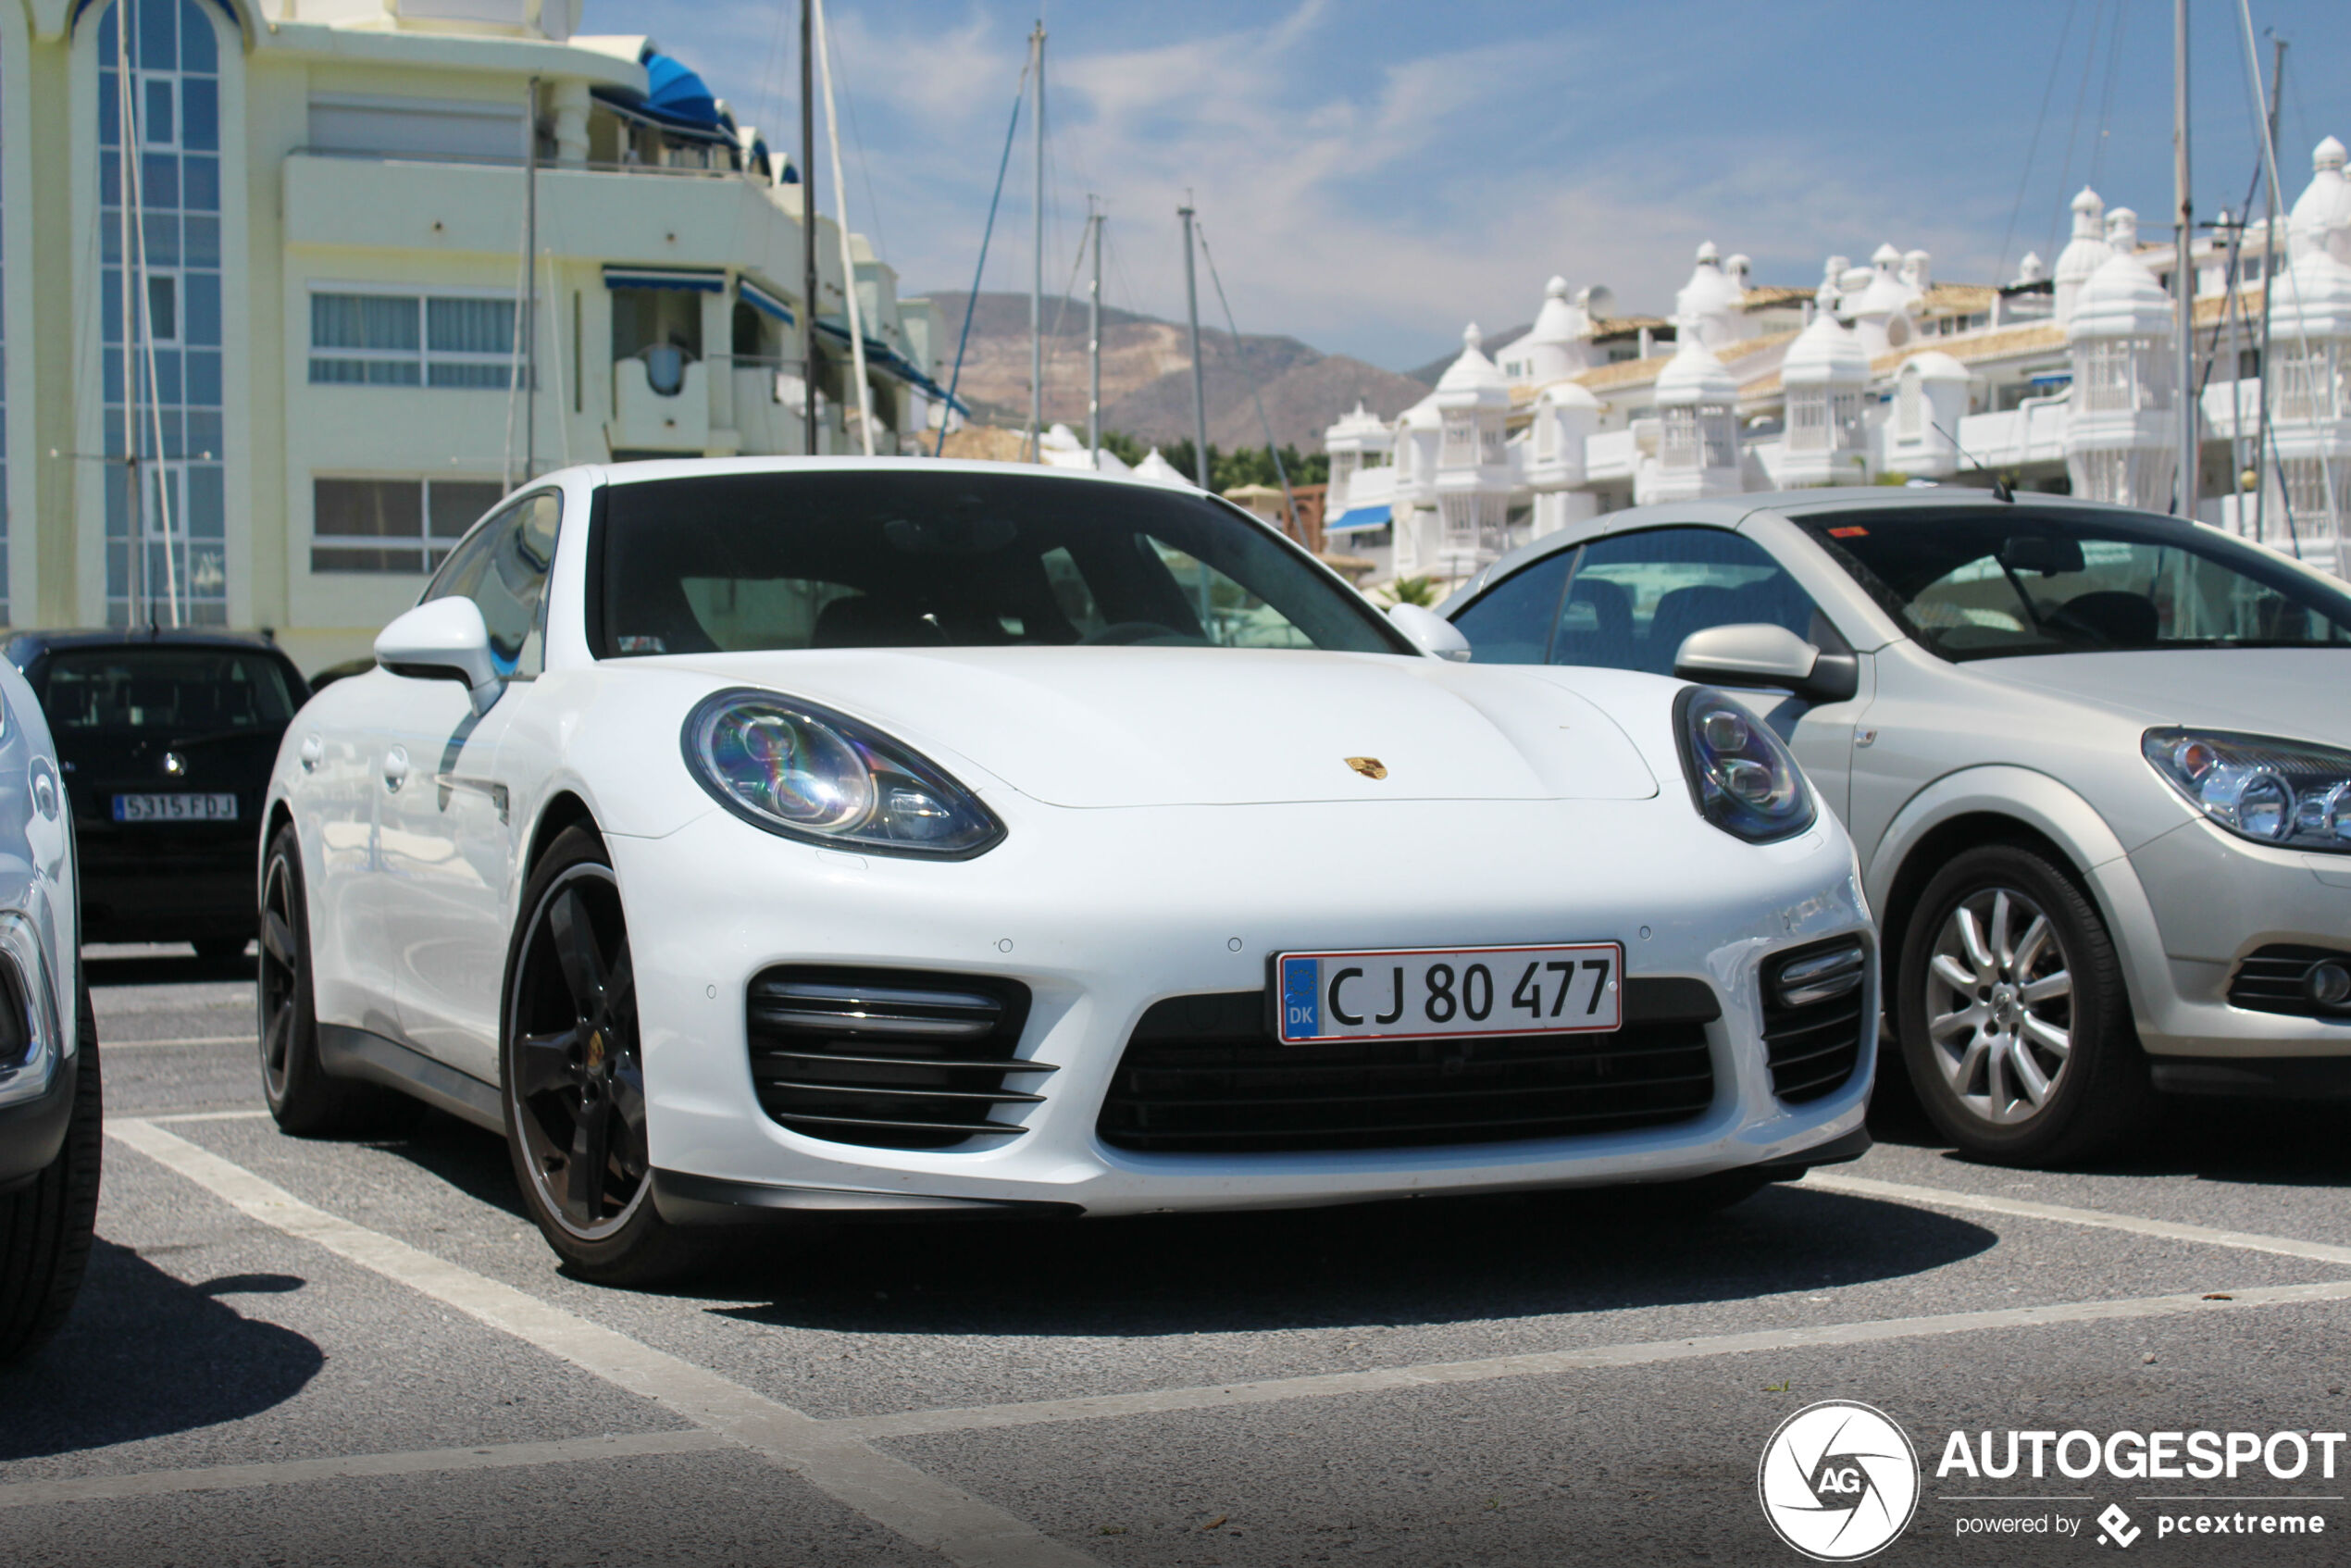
906	558
2008	581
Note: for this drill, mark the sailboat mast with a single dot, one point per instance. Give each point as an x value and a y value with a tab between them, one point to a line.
136	608
2270	251
1094	339
807	230
2184	393
1037	279
530	272
1200	384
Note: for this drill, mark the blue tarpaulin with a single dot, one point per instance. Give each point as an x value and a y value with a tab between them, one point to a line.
1359	518
674	93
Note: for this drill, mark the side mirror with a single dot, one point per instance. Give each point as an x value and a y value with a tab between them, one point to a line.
443	640
1430	632
1756	654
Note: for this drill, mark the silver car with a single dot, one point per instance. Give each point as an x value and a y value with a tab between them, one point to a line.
2096	765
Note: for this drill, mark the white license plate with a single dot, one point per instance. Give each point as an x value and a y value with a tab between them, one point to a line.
1441	993
175	808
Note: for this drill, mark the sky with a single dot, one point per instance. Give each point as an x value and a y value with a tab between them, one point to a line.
1371	175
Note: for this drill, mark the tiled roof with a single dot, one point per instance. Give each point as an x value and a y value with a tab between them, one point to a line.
1968	347
1769	295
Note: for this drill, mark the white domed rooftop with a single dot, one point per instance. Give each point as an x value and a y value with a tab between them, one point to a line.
2313	300
1159	470
2121	299
1422	415
1936	365
1711	296
1473	379
1825	354
1568	394
1558	321
1694	376
2087	250
2322	219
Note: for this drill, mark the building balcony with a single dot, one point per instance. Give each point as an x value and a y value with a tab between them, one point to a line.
647	419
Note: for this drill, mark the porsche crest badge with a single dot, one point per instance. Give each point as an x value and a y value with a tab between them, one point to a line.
1370	767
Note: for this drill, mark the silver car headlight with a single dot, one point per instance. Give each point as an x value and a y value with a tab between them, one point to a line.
806	772
1742	779
2272	792
31	1043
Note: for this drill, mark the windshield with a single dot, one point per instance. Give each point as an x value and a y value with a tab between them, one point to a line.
181	690
914	559
1998	582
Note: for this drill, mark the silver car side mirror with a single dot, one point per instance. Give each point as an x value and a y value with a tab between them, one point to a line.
443	640
1756	654
1431	633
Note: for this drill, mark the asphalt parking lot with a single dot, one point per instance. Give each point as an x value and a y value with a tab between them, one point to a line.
314	1353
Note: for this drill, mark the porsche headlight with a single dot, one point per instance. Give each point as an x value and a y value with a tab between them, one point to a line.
809	773
1742	779
2268	791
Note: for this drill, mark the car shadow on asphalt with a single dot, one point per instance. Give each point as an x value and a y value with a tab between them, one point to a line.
166	969
144	1355
1431	1261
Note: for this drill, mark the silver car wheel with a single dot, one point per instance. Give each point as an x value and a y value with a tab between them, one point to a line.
1999	1006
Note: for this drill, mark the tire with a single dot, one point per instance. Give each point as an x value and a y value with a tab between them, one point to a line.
47	1228
304	1098
571	1077
219	950
2014	1023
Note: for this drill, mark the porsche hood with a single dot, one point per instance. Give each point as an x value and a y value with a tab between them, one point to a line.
1142	726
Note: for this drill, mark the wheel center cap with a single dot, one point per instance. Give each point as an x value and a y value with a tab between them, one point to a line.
596	1048
2004	1003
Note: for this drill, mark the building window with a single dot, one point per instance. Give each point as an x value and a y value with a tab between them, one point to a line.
409	340
1458	447
401	527
1807	419
166	544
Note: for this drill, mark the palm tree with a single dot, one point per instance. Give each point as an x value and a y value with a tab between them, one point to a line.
1421	591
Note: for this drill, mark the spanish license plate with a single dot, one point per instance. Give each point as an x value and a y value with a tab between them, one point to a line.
1441	993
175	808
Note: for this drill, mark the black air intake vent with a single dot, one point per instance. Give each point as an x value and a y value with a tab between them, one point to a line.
1204	1075
889	1058
2308	981
1813	1017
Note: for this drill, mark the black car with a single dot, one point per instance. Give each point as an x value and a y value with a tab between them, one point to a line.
166	739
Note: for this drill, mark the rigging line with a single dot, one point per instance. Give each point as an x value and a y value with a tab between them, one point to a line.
971	300
143	329
514	360
2033	148
2073	131
2106	94
1281	471
857	143
850	288
554	299
1060	310
771	94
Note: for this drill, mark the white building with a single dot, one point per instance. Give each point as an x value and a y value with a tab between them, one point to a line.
327	283
2060	379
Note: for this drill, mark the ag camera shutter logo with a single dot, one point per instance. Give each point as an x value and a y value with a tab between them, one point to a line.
1839	1481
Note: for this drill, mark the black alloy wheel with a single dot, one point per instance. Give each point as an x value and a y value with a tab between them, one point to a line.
574	1076
2014	1021
46	1226
303	1096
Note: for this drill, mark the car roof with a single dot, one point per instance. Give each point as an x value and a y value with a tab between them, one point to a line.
1888	502
652	469
37	642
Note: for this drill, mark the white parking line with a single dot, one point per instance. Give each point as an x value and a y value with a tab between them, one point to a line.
2018	1207
114	1045
421	1461
1546	1363
114	1122
922	1508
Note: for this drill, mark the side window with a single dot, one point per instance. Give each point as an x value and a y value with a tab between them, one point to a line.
1510	623
1635	596
502	568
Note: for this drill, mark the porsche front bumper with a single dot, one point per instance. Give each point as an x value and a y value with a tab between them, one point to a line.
1101	914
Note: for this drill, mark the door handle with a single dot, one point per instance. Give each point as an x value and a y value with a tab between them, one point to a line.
396	768
313	751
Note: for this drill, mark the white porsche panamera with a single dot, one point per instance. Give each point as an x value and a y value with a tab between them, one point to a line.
768	838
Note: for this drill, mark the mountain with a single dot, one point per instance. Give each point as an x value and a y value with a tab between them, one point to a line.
1147	375
1426	375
